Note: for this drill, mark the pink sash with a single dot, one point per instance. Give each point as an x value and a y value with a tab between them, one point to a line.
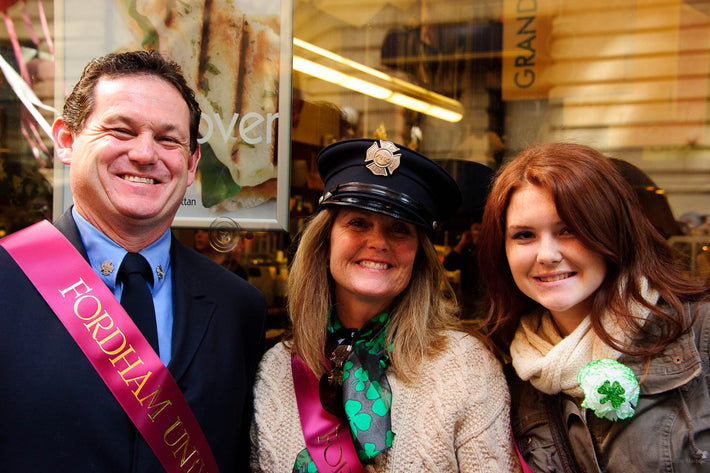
526	468
115	347
328	438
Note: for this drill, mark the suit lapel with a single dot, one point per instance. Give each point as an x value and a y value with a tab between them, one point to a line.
65	224
192	312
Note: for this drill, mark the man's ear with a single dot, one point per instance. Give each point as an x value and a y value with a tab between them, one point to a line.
63	141
192	161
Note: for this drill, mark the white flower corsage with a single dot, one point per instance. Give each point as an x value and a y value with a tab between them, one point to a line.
610	389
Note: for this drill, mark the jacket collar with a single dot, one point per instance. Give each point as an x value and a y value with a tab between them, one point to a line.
673	367
192	312
65	224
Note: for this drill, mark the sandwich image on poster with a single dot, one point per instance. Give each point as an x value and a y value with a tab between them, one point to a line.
232	57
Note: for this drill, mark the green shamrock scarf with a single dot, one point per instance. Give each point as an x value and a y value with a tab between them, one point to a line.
366	394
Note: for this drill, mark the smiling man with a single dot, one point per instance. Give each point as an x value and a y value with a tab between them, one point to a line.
128	133
132	160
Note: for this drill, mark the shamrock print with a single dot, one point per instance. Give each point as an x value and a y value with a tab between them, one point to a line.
360	420
346	369
362	378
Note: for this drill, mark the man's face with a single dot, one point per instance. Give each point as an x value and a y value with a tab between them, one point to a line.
131	163
201	240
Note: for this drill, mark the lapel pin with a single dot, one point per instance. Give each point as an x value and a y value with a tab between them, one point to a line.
106	268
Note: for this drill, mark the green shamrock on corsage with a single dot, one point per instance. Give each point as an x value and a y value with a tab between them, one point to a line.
610	389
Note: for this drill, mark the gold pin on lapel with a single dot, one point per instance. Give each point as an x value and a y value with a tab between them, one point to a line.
106	268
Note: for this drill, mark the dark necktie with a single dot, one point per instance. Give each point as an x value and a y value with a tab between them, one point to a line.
136	298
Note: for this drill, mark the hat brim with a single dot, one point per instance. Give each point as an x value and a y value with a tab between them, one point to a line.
385	202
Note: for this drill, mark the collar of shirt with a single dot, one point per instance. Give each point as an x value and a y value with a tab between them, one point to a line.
105	255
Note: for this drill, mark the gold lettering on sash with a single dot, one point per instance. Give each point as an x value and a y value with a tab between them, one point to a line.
183	434
339	453
110	336
78	302
113	342
140	381
183	440
96	324
185	458
74	287
327	436
161	405
198	463
129	365
330	439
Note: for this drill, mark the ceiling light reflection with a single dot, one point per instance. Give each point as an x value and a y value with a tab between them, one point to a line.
374	83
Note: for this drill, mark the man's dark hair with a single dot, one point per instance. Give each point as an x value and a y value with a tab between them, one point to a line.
80	103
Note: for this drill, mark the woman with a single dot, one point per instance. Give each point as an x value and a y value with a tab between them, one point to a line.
375	359
586	300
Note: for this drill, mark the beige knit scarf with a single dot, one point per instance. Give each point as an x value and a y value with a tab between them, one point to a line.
551	362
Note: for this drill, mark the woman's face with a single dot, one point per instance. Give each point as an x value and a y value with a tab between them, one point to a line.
371	257
549	263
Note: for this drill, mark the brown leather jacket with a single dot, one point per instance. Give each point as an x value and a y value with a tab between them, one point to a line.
670	431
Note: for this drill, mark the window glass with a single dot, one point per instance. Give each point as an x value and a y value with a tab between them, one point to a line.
629	78
467	82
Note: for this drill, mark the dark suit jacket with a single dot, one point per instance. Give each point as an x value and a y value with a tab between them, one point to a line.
57	415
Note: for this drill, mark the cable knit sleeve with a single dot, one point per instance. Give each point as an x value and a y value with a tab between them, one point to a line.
276	435
484	439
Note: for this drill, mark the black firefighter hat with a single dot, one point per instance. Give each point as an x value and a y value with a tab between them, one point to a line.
391	179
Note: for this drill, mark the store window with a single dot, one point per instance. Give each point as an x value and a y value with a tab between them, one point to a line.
629	78
468	83
25	146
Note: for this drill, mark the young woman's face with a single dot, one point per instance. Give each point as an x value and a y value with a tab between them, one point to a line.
549	263
371	256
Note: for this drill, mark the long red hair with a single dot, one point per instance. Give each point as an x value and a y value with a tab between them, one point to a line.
599	206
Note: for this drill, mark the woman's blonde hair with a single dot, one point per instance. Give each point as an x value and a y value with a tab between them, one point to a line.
418	316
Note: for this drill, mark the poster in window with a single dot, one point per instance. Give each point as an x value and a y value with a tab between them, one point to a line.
236	55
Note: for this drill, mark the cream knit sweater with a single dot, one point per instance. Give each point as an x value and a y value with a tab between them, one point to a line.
456	418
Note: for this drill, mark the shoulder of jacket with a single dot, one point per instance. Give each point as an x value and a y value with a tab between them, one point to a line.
701	327
210	277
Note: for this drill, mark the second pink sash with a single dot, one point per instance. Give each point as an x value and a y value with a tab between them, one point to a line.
328	438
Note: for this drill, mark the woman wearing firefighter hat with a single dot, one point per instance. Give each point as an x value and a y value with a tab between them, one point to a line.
376	375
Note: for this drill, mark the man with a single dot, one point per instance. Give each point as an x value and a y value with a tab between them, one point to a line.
464	257
128	132
230	260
